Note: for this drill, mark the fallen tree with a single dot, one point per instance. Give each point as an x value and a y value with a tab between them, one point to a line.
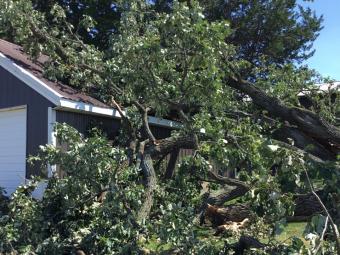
306	206
181	65
306	121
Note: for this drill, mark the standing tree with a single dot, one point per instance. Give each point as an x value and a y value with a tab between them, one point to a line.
283	31
236	100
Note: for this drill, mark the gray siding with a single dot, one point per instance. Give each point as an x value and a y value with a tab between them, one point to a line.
85	122
14	92
110	127
160	132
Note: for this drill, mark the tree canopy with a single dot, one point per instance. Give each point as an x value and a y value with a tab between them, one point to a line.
281	30
225	70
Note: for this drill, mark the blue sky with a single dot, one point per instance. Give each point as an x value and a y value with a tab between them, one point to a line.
326	59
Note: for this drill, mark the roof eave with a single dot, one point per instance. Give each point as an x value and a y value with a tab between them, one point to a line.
62	103
29	79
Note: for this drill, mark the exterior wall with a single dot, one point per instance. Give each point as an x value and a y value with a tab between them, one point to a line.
160	132
85	122
14	92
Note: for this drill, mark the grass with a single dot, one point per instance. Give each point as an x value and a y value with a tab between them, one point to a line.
292	229
154	246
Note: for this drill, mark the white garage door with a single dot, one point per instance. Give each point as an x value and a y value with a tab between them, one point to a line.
12	148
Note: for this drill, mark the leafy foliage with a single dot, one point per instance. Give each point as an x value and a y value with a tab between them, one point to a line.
70	215
180	61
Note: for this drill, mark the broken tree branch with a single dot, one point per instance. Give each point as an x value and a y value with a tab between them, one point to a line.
150	185
144	112
228	181
333	225
170	170
307	121
322	236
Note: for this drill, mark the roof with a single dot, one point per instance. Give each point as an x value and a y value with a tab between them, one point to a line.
16	61
19	57
323	88
329	86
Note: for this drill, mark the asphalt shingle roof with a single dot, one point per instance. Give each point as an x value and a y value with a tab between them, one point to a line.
19	57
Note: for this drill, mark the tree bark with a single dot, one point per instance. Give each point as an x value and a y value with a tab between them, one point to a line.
145	163
170	170
301	141
150	185
308	122
306	205
226	196
167	145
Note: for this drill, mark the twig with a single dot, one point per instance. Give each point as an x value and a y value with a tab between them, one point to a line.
334	227
117	106
322	236
227	180
62	52
144	111
141	153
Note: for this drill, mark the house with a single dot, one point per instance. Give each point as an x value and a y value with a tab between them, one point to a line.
31	104
330	89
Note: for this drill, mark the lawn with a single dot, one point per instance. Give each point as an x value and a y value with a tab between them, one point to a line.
292	229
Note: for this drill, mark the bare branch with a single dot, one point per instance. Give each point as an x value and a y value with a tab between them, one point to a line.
334	227
118	107
322	236
144	111
228	181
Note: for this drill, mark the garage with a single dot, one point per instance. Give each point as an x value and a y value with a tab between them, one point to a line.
12	148
30	105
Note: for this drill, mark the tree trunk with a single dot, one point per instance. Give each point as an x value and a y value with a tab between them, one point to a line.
170	170
150	185
145	162
167	145
220	215
226	195
306	121
306	206
301	141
